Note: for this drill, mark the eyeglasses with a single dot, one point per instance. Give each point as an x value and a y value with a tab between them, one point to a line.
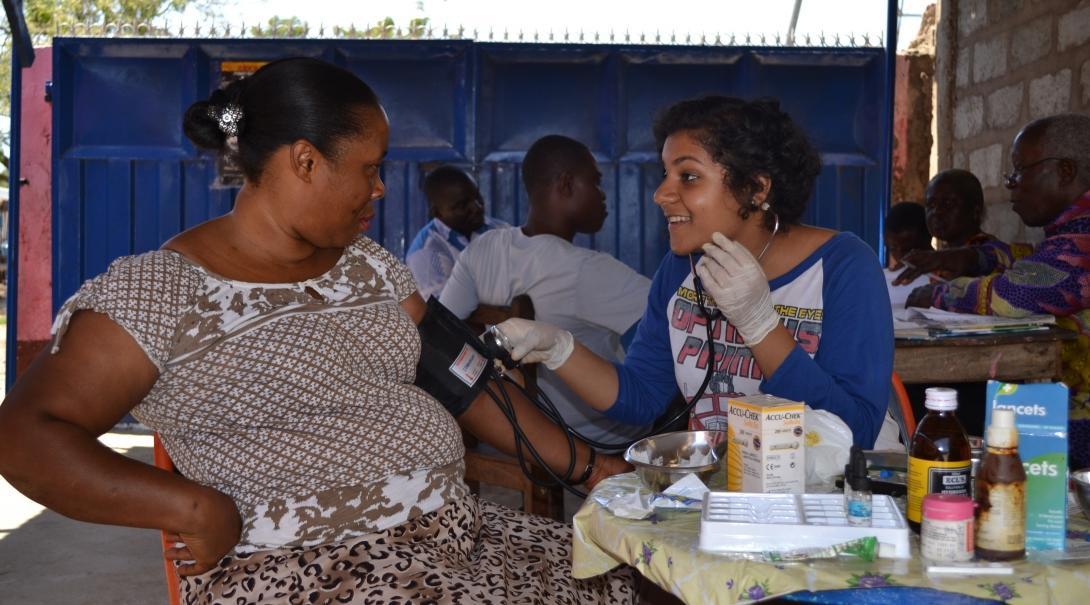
1014	178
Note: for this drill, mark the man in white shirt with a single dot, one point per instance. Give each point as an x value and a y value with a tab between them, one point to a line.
593	295
457	210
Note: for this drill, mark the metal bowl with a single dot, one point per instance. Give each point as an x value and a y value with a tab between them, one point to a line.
1081	479
662	460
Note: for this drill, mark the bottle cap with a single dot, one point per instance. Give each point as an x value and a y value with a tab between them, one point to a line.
855	473
947	507
1002	432
941	399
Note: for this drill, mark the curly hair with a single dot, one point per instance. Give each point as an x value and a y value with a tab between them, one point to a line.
750	139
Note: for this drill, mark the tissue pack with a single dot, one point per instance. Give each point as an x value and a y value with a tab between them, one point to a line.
766	445
1040	412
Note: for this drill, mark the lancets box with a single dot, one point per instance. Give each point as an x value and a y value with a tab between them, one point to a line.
1041	415
766	447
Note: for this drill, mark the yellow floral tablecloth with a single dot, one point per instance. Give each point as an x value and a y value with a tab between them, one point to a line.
664	549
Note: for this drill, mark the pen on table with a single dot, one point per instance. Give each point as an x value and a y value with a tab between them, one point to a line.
971	569
930	275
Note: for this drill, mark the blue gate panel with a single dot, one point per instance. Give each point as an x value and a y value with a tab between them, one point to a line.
157	203
67	220
134	99
422	85
399	177
653	80
501	186
126	180
811	85
529	92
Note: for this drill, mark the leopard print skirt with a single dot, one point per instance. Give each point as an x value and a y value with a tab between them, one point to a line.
469	551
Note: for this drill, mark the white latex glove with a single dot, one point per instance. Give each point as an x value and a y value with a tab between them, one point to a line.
735	280
537	342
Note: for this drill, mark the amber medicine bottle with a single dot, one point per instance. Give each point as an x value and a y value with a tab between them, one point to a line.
939	458
1001	493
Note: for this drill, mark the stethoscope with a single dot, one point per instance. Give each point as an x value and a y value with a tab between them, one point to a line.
715	313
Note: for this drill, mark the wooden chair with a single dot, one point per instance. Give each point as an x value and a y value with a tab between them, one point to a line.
162	460
499	469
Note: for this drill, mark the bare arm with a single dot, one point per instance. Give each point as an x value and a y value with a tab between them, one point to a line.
49	424
486	421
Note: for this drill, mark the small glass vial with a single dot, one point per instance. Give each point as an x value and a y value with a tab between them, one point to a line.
946	533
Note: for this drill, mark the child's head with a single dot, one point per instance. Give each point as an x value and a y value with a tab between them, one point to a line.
954	201
905	231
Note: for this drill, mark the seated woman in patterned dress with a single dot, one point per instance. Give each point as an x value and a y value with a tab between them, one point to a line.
274	350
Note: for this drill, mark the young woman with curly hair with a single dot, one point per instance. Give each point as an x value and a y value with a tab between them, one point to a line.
796	311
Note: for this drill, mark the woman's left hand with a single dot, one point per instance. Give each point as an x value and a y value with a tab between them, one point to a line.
211	534
739	286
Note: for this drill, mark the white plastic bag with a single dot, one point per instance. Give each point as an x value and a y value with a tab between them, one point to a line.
828	443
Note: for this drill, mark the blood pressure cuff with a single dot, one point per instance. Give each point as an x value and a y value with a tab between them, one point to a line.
454	364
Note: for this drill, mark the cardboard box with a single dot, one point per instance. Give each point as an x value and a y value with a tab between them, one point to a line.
1041	415
766	445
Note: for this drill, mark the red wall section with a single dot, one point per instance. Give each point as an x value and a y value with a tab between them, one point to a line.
35	287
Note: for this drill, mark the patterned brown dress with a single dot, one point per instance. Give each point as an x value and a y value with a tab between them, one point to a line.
297	401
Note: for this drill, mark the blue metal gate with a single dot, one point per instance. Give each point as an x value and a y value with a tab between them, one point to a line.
125	179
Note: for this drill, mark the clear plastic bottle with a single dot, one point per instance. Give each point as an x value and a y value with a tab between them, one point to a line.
1001	493
939	458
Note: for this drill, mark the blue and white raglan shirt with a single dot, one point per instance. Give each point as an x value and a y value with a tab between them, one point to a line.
834	303
433	251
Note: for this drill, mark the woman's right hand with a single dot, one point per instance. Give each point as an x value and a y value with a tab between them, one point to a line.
212	532
537	342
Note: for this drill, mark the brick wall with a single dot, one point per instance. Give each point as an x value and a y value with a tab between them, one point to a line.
1007	62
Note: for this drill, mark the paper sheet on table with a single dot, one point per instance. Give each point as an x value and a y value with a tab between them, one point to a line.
899	294
929	323
639	503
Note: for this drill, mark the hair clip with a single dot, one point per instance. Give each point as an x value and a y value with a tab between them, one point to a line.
228	117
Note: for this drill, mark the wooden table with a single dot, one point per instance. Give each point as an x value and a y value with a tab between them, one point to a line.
1021	356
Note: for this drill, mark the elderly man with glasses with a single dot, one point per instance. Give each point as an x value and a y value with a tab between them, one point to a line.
1050	188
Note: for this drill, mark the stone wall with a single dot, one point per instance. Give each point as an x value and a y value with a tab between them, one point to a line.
1001	64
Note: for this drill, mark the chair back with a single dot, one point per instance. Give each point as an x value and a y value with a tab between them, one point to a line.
162	460
900	406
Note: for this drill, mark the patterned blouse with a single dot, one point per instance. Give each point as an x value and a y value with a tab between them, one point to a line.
295	399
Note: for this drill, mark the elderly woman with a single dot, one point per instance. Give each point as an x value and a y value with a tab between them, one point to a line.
274	350
776	306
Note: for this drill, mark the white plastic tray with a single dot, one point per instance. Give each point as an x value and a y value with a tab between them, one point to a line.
741	522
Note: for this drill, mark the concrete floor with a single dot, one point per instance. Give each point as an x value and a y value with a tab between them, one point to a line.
47	559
